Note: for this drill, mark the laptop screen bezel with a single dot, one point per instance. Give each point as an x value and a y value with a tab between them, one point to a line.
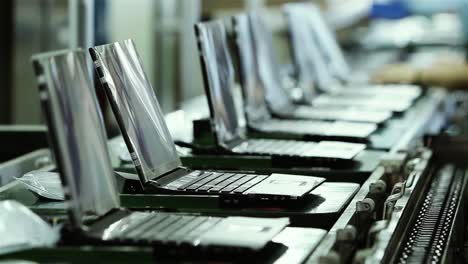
156	172
75	220
309	78
328	44
74	210
259	30
242	131
263	109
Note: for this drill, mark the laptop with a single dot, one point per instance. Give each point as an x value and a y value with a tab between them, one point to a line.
269	69
213	41
324	58
255	93
231	134
153	152
79	143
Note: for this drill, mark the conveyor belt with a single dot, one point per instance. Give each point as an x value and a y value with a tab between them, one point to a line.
428	239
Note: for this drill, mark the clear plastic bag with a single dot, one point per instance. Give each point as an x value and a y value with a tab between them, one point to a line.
20	228
43	183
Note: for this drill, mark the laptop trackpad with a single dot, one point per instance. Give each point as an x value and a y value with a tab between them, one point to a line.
246	232
334	149
286	184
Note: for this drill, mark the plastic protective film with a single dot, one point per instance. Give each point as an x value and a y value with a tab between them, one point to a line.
136	108
307	55
44	183
77	132
328	43
254	93
20	228
219	73
268	66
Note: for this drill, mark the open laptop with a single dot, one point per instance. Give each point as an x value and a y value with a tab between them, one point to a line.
231	134
255	93
151	147
79	143
324	59
269	75
213	42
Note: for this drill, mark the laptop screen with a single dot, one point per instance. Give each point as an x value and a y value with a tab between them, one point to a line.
76	132
308	58
219	81
327	42
268	66
255	108
136	108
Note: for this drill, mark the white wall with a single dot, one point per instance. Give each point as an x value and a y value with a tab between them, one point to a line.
134	19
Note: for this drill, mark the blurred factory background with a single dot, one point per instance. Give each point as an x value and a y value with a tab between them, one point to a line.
163	32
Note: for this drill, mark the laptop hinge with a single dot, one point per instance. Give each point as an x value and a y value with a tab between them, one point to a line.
92	227
236	142
168	176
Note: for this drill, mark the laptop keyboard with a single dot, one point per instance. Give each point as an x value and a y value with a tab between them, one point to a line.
216	182
398	106
325	128
308	127
164	227
347	114
278	147
292	148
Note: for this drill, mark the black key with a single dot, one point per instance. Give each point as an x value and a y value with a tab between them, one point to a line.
200	229
222	177
151	233
186	180
137	232
175	227
250	183
233	185
136	224
206	178
238	183
181	182
229	178
164	232
179	234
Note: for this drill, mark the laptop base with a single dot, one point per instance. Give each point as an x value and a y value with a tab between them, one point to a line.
183	252
320	209
301	242
231	201
238	201
364	164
